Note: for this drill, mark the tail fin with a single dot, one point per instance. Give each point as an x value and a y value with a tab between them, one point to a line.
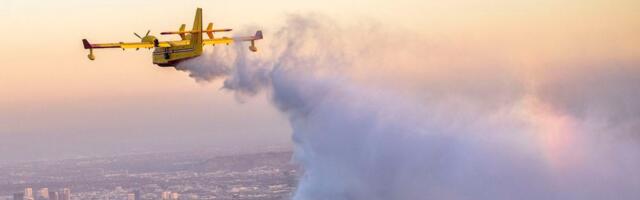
210	30
182	35
196	36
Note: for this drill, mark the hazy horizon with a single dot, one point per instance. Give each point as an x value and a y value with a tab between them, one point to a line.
56	103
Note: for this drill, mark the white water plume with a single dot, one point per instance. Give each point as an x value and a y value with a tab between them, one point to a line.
378	116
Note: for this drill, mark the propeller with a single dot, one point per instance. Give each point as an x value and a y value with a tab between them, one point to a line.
145	35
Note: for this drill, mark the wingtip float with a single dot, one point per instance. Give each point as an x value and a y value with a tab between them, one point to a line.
169	53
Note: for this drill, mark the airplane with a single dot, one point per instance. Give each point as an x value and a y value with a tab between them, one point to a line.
170	53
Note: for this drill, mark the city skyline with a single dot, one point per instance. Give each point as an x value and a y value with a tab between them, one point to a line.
149	177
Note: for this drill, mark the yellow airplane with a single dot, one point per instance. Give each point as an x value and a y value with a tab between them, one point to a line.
169	53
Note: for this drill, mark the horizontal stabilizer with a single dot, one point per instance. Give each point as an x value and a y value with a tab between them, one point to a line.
203	31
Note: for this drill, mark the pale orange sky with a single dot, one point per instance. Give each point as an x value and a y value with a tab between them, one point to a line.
48	87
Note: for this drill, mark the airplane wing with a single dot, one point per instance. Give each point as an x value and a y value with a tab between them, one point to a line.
252	39
227	40
125	45
173	43
223	40
121	45
213	41
257	36
141	45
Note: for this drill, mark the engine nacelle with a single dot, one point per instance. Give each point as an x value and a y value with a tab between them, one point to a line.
149	39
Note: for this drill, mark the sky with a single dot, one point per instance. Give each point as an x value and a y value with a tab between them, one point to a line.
55	103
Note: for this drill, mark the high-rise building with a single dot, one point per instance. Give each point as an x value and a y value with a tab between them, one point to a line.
66	194
18	196
175	196
166	195
54	196
28	193
131	196
42	194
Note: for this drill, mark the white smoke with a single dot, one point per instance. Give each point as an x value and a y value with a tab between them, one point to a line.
365	127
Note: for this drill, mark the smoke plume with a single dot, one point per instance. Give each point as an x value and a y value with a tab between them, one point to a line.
381	115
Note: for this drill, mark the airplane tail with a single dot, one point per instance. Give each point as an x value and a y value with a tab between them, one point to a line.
196	35
210	30
183	36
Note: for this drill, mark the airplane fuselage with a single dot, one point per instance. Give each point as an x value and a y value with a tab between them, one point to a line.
170	56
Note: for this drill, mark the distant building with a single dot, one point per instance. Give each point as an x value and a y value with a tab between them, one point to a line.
66	194
175	196
54	196
137	195
166	195
28	194
18	196
131	196
43	194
